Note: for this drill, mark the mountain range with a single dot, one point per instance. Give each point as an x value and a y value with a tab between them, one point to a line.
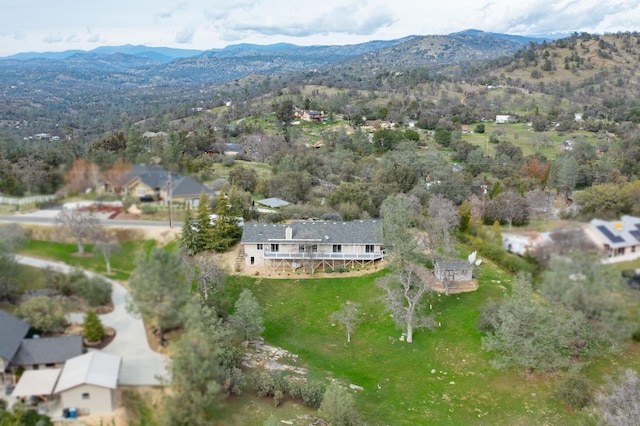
112	66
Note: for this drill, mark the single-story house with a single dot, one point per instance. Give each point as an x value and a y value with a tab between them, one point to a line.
312	244
504	119
453	270
523	242
617	238
46	352
12	332
155	183
88	382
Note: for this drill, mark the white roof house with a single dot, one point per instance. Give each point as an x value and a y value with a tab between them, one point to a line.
88	382
93	368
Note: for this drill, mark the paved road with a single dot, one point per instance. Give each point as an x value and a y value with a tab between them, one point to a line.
140	364
49	219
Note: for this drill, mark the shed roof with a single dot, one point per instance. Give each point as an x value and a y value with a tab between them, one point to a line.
94	368
273	202
37	382
355	232
48	350
453	265
12	331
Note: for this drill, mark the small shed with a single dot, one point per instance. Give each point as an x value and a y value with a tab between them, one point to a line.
88	382
273	203
453	270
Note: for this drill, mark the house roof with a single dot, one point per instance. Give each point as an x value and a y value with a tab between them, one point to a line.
47	350
93	368
618	233
184	186
156	177
12	331
453	265
356	232
37	382
273	202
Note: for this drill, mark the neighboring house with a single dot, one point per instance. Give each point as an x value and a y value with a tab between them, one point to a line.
312	244
155	183
46	352
619	239
504	119
523	242
273	203
88	382
453	270
12	332
155	134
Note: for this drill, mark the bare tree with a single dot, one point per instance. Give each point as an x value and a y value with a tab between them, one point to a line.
118	175
206	271
79	225
348	316
404	291
107	247
443	218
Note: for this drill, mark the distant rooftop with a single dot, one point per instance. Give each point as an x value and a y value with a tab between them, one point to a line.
274	203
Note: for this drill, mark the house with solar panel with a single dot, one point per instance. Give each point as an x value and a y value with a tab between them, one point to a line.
312	245
619	239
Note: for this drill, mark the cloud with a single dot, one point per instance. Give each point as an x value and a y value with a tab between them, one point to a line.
169	13
185	36
53	38
541	17
352	19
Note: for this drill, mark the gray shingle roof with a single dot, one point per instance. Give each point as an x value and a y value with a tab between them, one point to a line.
355	232
184	186
156	177
12	331
48	350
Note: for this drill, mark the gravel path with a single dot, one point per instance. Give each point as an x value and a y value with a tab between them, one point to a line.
140	364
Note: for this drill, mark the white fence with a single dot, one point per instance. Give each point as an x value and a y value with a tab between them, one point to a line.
27	200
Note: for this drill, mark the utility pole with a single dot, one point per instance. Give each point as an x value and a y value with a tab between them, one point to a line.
484	194
169	195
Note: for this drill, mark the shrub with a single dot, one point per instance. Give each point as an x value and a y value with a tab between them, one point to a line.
92	328
95	291
310	393
636	336
576	391
43	314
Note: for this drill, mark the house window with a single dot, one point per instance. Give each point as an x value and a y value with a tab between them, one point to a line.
258	246
337	248
369	248
85	395
140	192
275	247
49	365
304	248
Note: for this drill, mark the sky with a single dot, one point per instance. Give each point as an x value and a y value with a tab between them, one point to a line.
53	26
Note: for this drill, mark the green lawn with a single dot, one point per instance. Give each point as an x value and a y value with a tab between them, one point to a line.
399	386
122	263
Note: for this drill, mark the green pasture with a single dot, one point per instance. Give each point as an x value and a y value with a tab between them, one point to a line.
444	377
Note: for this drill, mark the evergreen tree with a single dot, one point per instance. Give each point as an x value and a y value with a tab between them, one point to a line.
189	238
247	319
92	328
226	231
204	226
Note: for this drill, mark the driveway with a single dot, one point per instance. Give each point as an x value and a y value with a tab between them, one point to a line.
140	364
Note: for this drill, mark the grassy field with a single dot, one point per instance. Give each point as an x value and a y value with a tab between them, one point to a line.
444	377
122	263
